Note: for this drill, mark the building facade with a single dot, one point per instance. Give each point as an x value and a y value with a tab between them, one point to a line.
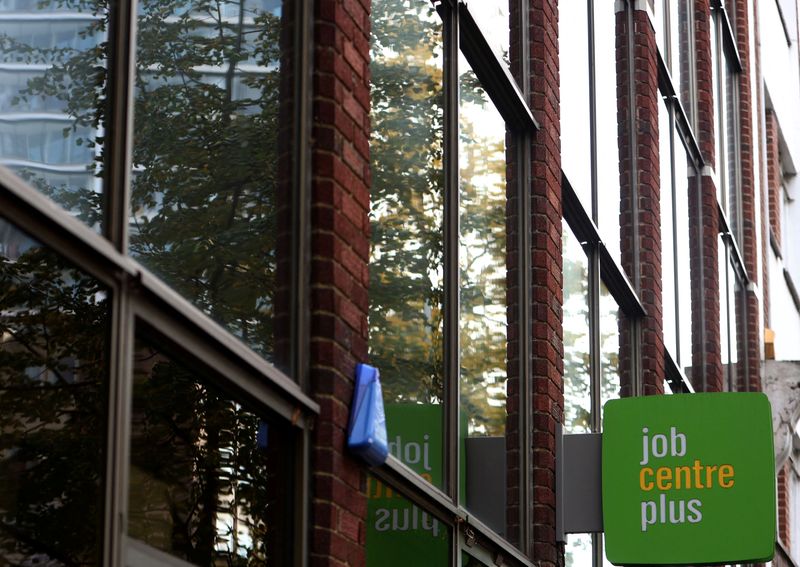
212	210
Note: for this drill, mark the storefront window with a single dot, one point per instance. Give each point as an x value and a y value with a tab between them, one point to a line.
484	312
212	191
577	383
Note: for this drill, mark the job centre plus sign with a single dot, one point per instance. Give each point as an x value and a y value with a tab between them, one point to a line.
688	479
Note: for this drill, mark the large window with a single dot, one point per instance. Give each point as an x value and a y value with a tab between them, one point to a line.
588	98
53	391
445	315
151	258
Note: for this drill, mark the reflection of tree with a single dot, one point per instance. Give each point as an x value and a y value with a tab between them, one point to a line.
204	201
406	265
53	395
483	266
206	483
205	157
406	293
577	361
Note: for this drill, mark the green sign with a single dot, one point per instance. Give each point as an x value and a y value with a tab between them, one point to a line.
398	532
689	479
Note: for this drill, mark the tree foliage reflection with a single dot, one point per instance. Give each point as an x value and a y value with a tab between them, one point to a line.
52	406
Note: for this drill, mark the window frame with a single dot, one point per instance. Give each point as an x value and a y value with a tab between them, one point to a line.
463	35
138	298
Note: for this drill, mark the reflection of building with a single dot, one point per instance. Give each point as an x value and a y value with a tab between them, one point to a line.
39	137
513	233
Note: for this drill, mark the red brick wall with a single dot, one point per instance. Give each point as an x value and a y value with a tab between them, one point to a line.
704	224
639	188
748	325
547	293
784	529
339	276
774	175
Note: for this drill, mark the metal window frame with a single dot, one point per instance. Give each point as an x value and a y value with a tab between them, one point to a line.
462	35
139	298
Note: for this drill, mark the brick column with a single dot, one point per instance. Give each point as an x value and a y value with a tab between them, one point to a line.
784	502
339	276
748	335
547	290
774	175
640	212
770	205
704	223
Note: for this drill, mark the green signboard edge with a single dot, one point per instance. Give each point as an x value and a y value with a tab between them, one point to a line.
767	550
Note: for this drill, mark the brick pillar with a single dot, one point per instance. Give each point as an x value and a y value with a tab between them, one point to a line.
513	295
547	293
763	186
640	218
704	223
774	175
748	334
339	276
784	502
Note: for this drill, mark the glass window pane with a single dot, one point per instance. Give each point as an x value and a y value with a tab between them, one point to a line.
406	254
400	533
682	54
608	195
684	175
609	347
492	18
211	482
52	99
212	195
53	391
727	318
578	551
573	37
577	396
667	232
491	430
660	24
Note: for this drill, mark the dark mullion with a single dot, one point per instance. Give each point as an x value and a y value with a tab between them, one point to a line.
120	393
119	126
301	252
116	192
451	265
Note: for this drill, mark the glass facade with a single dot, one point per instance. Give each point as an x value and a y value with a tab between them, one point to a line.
191	247
207	223
444	255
